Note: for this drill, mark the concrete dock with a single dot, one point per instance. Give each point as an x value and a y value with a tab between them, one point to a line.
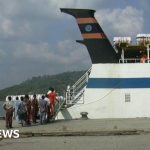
101	134
85	127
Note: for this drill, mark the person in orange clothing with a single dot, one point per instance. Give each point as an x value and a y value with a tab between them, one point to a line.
144	59
52	98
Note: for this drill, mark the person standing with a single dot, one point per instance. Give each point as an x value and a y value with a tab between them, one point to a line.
22	111
16	104
43	109
34	108
28	106
52	98
9	109
48	108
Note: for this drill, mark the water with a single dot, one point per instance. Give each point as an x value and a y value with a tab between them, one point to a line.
1	109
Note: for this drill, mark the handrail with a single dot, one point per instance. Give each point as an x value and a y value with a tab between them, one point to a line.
82	77
74	93
133	60
58	106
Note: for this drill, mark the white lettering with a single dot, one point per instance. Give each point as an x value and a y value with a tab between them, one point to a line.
16	134
7	133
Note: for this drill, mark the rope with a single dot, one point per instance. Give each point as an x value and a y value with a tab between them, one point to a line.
95	100
98	99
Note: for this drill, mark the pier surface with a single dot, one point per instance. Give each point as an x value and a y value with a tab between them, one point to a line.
82	134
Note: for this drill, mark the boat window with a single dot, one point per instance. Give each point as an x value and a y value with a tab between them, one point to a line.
127	97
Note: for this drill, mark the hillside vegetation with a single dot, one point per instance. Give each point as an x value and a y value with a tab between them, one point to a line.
41	84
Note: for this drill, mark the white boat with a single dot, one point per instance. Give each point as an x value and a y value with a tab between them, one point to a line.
118	83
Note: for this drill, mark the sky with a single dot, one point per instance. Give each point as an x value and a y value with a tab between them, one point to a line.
37	39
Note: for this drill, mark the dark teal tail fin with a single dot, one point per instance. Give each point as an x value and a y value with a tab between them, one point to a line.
94	38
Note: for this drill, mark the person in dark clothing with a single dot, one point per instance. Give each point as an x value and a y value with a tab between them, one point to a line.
28	106
22	111
35	108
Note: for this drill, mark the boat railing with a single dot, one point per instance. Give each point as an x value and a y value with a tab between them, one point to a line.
133	60
60	104
75	92
73	95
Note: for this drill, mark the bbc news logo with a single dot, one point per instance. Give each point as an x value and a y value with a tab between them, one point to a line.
9	134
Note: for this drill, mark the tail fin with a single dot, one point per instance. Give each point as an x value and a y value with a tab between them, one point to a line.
98	45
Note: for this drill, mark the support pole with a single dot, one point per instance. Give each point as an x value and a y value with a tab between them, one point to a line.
148	48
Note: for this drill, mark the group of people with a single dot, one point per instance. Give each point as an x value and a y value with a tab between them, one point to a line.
27	110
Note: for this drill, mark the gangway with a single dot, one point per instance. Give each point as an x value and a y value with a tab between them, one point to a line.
74	94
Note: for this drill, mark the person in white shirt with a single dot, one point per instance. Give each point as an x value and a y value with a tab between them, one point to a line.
43	109
48	108
9	109
16	105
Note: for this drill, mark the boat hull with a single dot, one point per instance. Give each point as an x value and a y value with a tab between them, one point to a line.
114	91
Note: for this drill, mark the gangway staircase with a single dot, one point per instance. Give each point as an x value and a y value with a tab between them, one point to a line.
73	95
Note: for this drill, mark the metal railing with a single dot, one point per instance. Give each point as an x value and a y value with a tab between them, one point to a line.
133	60
74	93
58	106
